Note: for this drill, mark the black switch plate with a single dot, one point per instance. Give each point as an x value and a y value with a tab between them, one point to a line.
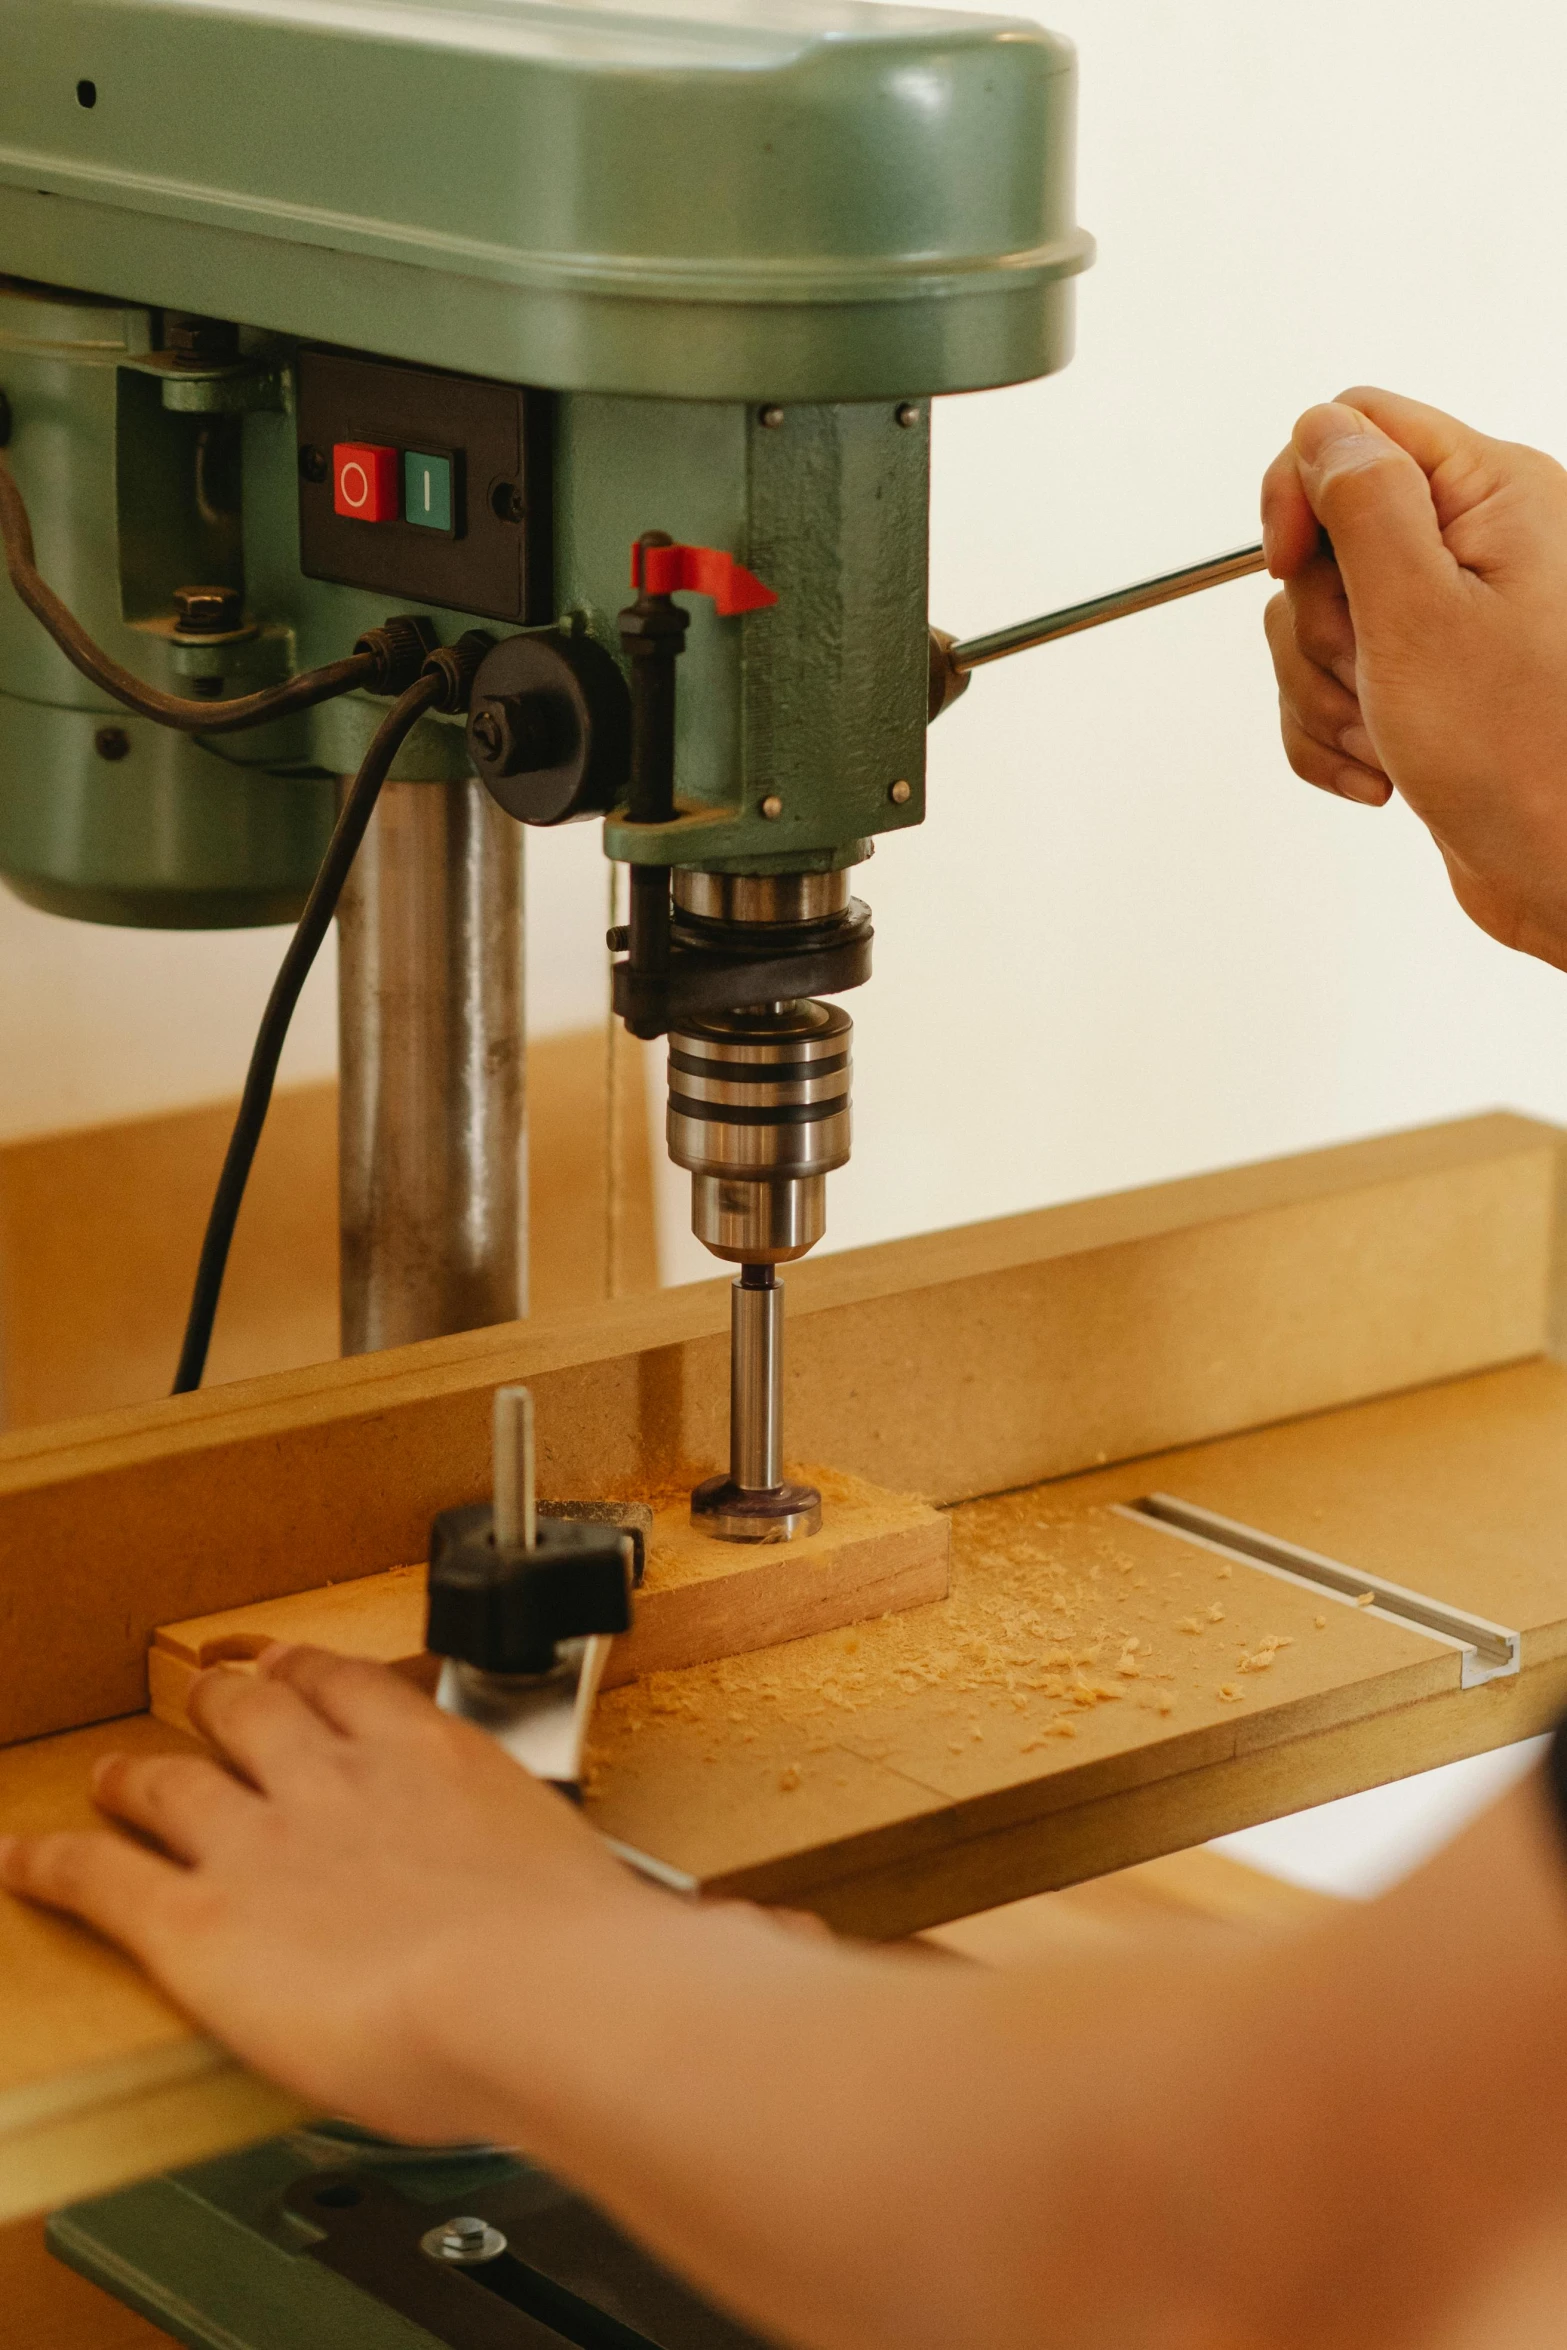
496	561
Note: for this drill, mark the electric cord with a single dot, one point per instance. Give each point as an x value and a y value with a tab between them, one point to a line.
444	683
371	665
353	817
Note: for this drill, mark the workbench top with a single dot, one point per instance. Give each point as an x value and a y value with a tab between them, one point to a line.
1096	1690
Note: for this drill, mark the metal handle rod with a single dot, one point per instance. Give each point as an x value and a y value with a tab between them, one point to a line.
515	1509
1024	634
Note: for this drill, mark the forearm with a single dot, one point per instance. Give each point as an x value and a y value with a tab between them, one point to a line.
1306	2146
859	2151
1388	2116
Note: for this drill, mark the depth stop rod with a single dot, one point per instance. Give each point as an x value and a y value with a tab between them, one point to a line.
1025	634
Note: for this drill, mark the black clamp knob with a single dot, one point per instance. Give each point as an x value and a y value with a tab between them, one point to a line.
506	1610
549	730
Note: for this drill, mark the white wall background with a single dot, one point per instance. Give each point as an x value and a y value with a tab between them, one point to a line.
1128	944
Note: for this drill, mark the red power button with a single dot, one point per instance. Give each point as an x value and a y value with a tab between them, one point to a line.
364	482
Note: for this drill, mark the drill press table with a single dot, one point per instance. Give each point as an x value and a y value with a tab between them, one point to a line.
1097	1689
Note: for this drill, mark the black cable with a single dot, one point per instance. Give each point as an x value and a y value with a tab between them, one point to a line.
428	691
365	666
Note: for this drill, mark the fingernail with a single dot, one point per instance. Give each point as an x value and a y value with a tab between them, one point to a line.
1367	791
1346	454
1333	440
1356	743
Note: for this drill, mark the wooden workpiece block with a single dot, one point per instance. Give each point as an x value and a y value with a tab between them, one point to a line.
877	1552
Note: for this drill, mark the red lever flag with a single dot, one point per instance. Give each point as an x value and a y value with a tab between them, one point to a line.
700	571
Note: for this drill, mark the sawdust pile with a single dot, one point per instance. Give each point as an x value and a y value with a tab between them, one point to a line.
1051	1618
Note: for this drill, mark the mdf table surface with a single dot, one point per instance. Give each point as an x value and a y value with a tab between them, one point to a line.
1096	1690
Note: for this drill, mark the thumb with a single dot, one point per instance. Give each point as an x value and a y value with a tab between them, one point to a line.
1374	502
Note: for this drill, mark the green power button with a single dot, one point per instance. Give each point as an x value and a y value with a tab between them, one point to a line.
427	491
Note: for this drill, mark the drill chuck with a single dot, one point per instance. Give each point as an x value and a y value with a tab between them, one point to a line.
759	1115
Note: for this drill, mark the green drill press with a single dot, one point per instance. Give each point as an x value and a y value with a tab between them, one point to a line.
593	349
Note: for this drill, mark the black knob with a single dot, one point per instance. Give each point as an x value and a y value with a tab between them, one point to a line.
550	728
506	1611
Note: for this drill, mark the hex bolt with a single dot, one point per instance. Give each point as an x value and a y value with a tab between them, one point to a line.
901	792
466	2241
195	341
771	417
208	611
907	415
772	806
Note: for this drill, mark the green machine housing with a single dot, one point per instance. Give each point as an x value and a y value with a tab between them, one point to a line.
563	275
667	222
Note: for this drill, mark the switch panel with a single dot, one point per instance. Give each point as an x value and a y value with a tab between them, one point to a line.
428	487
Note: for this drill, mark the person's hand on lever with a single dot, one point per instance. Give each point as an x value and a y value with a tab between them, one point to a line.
1420	642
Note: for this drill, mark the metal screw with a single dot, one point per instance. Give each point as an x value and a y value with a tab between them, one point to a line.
313	465
111	743
772	806
506	502
901	792
466	2241
487	734
771	417
908	414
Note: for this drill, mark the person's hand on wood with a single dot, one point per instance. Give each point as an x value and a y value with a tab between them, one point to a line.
1420	642
365	1872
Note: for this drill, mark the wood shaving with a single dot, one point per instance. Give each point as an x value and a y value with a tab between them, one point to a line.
1044	1628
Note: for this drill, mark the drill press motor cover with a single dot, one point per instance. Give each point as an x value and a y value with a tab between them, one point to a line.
318	314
